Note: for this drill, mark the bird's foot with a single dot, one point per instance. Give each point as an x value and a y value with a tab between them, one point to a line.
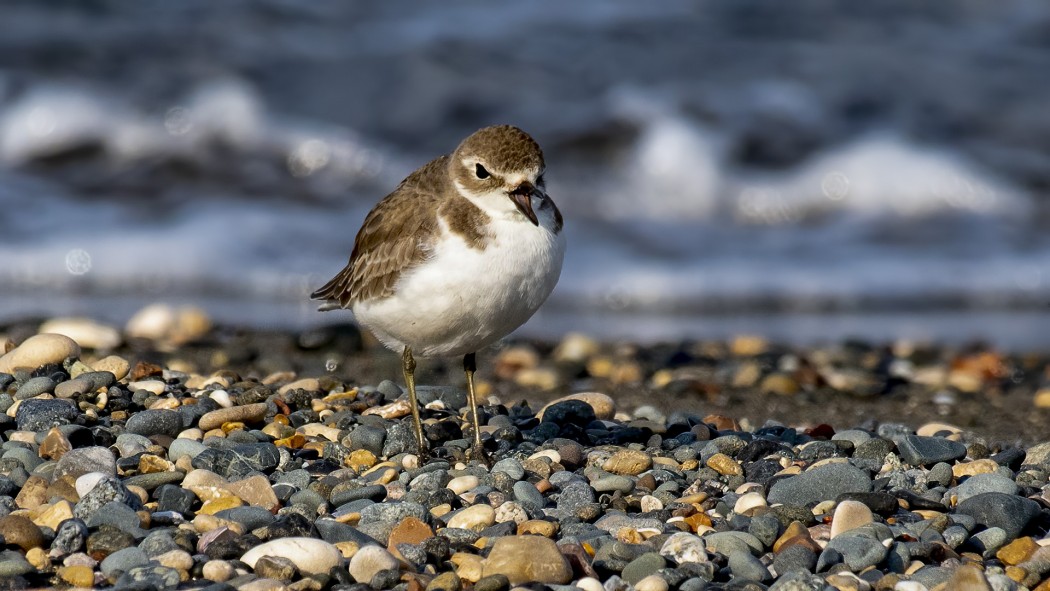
477	453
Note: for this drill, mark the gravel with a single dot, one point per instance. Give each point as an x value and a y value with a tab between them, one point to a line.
179	467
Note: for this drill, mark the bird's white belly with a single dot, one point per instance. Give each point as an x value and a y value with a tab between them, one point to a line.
463	299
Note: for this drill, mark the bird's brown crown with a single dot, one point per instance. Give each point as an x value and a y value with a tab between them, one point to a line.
500	149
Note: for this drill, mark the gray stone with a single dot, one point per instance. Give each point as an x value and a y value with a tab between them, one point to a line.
857	552
931	576
574	495
185	448
240	460
854	436
25	456
77	462
643	566
796	558
70	537
453	397
693	584
527	495
984	483
800	581
38	414
13	564
116	514
158	577
746	567
158	542
35	387
174	498
765	528
430	481
122	561
728	542
613	483
924	451
107	490
155	422
334	532
1038	455
248	516
955	535
390	390
367	437
941	474
511	467
874	449
996	509
400	438
819	484
569	412
393	513
311	500
988	541
342	495
898	558
129	444
152	480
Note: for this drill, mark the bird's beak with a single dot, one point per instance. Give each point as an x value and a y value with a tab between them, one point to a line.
522	198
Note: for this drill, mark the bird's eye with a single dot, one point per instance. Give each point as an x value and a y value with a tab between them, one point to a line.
480	171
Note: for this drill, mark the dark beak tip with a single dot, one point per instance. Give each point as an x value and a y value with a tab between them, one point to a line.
523	201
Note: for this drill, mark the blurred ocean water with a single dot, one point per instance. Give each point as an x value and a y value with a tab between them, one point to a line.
805	170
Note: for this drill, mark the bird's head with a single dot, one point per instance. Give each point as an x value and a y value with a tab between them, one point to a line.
500	169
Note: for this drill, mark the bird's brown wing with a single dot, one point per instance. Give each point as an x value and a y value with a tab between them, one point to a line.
395	237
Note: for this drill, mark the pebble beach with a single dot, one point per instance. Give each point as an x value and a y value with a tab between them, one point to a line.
169	453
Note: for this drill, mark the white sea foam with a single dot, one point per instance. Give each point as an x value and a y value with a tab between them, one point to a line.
882	175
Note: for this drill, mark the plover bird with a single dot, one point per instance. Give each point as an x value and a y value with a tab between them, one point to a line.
460	254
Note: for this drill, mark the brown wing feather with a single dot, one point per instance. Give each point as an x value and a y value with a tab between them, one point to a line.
395	237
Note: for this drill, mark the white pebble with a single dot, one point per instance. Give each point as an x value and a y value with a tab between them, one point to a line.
152	386
86	482
749	501
462	484
310	555
217	570
39	350
511	511
651	583
684	547
590	584
86	332
370	560
152	322
221	397
650	503
550	454
474	517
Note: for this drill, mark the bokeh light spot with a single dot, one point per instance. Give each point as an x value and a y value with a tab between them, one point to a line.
178	121
78	261
309	157
835	185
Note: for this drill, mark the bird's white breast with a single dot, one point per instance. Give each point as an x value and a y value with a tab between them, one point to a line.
463	298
